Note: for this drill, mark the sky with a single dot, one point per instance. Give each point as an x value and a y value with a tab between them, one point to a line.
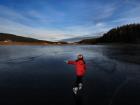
61	19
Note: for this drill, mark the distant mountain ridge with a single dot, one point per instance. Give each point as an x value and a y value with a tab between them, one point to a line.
125	34
76	39
79	38
10	38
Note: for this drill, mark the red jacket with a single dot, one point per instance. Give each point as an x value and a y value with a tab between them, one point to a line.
80	67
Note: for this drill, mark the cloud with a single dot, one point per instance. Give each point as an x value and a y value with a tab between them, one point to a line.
47	15
98	11
132	2
103	12
68	20
89	29
10	23
8	26
127	17
32	17
12	15
13	22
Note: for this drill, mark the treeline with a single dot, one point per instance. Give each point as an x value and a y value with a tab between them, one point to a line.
125	34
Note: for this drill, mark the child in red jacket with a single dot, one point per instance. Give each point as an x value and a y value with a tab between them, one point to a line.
80	67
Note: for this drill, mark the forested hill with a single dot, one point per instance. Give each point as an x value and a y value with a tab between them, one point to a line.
15	38
124	34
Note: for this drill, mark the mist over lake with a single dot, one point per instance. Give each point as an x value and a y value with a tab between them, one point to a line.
38	75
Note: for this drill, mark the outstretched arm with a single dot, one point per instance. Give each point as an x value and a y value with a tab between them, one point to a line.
71	62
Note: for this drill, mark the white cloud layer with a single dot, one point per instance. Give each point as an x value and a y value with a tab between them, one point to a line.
14	22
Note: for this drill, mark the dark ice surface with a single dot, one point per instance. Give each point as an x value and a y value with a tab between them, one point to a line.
38	75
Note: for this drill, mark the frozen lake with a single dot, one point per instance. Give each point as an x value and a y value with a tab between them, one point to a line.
38	75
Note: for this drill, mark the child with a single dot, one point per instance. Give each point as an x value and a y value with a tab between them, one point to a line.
80	67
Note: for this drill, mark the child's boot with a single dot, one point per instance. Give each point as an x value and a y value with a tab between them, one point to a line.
75	90
80	86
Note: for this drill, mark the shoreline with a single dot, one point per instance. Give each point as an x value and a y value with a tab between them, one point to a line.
32	43
60	44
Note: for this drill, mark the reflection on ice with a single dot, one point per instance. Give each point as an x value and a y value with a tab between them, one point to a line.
40	74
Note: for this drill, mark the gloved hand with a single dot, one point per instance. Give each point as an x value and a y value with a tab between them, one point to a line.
66	61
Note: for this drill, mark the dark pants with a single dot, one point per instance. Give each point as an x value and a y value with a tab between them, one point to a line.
79	79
